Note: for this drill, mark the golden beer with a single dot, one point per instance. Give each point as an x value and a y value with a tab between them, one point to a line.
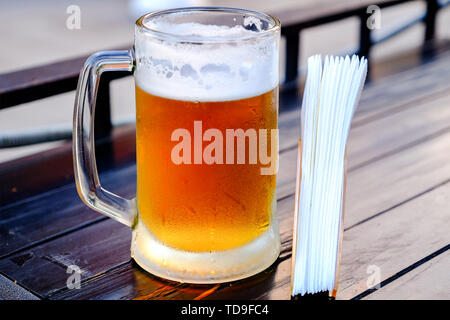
202	207
206	143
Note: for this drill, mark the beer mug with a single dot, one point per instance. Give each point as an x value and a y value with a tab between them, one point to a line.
206	82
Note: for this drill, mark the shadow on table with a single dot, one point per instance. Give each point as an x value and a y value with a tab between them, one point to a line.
148	287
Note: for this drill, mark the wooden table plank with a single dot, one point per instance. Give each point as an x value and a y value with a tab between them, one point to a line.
381	138
411	166
413	125
102	233
93	249
430	281
12	291
26	224
97	248
387	183
402	90
13	220
395	240
362	179
391	242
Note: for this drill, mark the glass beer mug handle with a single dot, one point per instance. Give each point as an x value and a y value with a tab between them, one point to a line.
85	168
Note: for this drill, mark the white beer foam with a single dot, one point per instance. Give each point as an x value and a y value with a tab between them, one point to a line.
197	29
210	71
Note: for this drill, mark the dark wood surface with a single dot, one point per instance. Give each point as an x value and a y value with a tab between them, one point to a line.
397	213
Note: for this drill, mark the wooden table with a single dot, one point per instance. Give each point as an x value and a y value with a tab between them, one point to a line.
397	217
